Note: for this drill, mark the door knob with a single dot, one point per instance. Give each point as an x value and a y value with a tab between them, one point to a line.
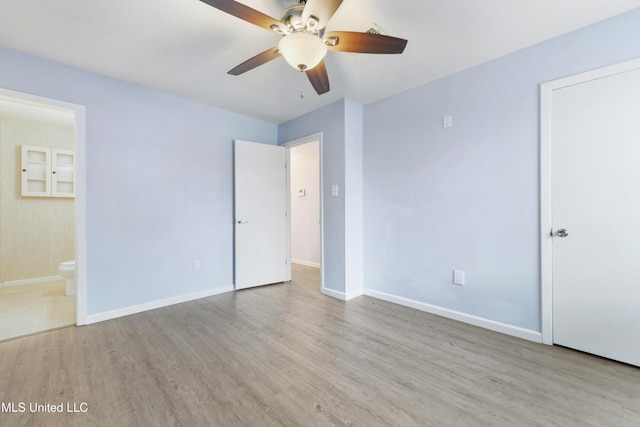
562	232
242	221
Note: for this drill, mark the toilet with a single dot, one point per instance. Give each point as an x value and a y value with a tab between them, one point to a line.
67	269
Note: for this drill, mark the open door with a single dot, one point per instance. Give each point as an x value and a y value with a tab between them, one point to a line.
260	222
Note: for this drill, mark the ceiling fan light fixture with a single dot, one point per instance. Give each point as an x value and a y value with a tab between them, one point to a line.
302	50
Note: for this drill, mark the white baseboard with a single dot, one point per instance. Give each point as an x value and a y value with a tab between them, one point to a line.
108	315
355	294
492	325
341	295
31	281
307	263
335	294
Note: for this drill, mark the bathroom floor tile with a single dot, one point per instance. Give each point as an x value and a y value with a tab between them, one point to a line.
57	312
29	309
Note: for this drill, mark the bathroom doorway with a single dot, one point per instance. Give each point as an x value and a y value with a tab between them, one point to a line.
305	177
38	224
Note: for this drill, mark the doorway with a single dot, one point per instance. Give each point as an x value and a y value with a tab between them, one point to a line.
41	219
590	206
305	207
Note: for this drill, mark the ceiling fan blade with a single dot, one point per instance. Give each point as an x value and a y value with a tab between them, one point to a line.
347	41
322	10
319	78
248	14
256	61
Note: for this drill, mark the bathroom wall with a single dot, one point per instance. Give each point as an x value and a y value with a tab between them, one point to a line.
305	208
37	232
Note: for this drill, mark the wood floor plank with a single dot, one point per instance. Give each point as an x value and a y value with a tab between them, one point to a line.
286	355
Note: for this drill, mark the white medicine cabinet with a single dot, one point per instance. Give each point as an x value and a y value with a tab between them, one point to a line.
48	172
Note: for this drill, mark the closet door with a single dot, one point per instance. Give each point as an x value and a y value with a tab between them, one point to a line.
595	153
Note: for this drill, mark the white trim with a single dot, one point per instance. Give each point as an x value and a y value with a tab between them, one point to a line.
81	216
546	254
341	295
335	294
80	201
307	263
126	311
546	292
289	145
492	325
31	281
355	294
288	237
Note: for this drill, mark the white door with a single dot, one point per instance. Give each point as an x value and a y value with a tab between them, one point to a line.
260	214
595	205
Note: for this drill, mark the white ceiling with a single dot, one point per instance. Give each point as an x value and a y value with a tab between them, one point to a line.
186	47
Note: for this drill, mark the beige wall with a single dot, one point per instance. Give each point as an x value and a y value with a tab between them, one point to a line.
36	233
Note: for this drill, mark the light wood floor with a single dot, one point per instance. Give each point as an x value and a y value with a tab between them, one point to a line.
285	355
29	309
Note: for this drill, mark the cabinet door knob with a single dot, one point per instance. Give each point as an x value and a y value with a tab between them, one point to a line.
24	170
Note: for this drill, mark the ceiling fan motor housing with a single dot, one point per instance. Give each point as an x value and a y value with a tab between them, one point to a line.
292	19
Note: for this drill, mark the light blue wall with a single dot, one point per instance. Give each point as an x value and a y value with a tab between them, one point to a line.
159	179
468	197
159	182
354	203
329	120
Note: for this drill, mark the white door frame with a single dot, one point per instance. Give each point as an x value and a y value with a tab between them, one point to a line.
289	145
80	198
546	249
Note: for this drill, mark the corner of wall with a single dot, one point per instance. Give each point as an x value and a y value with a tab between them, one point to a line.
354	203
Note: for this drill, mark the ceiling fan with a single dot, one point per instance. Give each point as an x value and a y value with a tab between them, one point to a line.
304	43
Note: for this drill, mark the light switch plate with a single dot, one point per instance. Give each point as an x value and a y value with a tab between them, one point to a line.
458	277
334	190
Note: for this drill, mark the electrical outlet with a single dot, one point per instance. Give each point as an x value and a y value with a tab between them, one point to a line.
196	264
458	277
447	122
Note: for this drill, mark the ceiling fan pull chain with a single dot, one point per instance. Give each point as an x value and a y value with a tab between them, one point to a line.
301	84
